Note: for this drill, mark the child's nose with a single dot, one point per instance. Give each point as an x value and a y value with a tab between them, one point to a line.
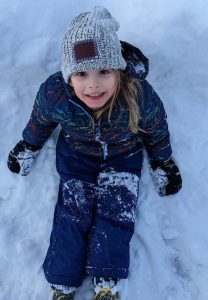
94	83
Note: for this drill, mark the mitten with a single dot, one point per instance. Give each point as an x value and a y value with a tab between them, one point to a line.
166	176
21	158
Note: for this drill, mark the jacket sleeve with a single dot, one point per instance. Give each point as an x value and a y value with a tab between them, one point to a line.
40	124
155	133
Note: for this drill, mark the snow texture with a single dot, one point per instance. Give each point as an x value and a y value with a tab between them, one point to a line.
64	289
169	258
117	195
26	160
160	180
110	285
78	197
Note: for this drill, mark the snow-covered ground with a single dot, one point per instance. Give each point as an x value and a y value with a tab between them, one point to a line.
169	259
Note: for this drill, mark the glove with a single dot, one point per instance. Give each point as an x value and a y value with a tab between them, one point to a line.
166	177
21	158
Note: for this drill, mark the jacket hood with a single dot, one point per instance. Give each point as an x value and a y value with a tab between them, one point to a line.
137	63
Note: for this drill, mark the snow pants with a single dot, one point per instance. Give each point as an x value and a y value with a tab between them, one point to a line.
94	216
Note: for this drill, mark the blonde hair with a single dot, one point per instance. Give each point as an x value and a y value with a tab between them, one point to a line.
128	88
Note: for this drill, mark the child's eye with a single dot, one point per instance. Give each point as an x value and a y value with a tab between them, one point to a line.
81	74
104	71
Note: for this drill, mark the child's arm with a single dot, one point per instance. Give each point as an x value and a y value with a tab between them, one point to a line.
38	129
155	135
156	138
41	123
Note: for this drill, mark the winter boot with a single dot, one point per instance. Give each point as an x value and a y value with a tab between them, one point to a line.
59	295
105	289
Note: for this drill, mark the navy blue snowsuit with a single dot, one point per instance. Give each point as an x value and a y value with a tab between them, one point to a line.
100	166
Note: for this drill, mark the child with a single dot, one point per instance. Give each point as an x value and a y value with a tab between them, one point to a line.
107	111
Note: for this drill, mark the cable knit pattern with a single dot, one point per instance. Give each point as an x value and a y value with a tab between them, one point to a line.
95	32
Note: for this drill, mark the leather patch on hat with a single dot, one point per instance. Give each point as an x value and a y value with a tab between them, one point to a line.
85	50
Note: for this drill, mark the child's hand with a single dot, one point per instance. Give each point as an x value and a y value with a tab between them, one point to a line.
21	157
166	177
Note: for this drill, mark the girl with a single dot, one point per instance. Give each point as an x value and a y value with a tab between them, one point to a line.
107	111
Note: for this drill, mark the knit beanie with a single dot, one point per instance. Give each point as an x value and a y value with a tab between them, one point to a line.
91	43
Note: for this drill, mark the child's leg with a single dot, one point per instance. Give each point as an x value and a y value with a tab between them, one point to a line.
65	260
108	252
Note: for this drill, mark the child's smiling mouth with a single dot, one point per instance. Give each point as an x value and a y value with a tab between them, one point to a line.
95	96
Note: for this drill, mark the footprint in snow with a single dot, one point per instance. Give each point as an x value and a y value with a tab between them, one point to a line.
170	234
179	268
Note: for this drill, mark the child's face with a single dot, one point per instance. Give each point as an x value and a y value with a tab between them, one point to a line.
94	87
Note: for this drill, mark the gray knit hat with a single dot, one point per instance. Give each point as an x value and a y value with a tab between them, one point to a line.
91	43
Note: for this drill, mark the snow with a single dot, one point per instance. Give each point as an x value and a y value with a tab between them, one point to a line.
25	160
169	258
160	180
122	179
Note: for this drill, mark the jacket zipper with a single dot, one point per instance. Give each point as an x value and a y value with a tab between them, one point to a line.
104	145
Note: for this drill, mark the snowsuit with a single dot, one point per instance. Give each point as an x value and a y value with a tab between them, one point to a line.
100	166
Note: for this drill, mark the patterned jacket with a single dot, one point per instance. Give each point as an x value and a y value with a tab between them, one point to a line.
55	104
